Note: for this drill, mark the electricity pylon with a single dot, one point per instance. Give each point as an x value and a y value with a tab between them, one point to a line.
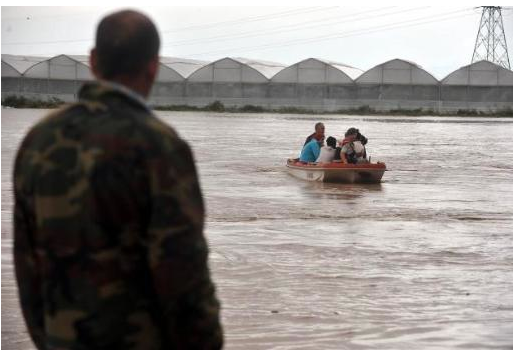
491	40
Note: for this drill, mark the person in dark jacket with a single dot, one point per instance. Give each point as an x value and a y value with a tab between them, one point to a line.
109	249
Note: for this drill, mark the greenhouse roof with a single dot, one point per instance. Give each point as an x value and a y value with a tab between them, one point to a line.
482	73
351	71
397	71
22	63
266	68
182	66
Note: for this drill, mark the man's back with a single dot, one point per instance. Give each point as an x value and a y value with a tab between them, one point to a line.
308	139
310	151
109	243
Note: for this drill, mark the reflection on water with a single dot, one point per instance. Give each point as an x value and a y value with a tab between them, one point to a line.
422	261
339	191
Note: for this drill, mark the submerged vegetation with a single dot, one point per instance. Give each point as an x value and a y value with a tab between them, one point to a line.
24	102
218	106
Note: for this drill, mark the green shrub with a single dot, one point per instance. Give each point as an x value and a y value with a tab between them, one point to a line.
294	110
365	110
215	106
508	112
24	102
252	109
472	112
176	108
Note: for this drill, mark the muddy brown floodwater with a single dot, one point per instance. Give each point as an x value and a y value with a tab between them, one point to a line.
422	261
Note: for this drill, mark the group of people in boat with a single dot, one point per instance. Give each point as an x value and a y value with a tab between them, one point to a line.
350	150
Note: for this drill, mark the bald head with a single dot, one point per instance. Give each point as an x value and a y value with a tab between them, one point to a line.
126	41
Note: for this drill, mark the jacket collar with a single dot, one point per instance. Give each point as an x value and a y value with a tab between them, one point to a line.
101	88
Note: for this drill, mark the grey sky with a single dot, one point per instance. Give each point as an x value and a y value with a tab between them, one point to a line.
440	39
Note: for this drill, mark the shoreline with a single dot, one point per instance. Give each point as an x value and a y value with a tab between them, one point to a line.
217	106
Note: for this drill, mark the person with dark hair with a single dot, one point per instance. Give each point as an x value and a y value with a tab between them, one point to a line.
327	154
109	249
353	149
318	134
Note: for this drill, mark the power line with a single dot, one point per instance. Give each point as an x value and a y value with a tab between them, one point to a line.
293	27
392	26
323	38
242	20
46	42
338	35
252	32
44	17
254	18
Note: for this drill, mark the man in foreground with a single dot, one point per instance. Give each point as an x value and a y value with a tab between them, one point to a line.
108	222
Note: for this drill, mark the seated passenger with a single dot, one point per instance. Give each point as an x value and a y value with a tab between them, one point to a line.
327	153
363	141
311	150
353	149
318	134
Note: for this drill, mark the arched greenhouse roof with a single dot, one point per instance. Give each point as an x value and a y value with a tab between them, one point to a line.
350	71
317	71
228	70
266	68
62	67
167	74
397	71
9	71
21	63
81	58
482	73
183	67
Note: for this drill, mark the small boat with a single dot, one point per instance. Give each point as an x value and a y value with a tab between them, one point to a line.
337	172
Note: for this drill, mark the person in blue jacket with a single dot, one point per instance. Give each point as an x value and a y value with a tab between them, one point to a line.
311	150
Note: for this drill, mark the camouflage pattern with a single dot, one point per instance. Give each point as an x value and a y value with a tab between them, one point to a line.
108	231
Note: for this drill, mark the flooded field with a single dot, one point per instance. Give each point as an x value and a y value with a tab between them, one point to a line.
422	261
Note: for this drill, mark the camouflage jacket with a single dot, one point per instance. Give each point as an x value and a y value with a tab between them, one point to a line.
109	248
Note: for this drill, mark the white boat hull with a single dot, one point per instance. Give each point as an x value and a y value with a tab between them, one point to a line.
337	172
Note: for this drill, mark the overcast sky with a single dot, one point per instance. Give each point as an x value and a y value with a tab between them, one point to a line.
440	39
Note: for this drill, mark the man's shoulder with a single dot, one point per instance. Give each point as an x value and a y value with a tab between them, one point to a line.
138	125
64	114
309	138
162	134
158	126
313	143
58	114
152	131
47	125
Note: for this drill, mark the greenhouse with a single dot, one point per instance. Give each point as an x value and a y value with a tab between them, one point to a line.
59	77
170	82
13	68
9	71
479	84
398	84
312	83
314	79
19	63
232	78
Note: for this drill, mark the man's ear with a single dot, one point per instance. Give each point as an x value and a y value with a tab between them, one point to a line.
153	68
93	61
